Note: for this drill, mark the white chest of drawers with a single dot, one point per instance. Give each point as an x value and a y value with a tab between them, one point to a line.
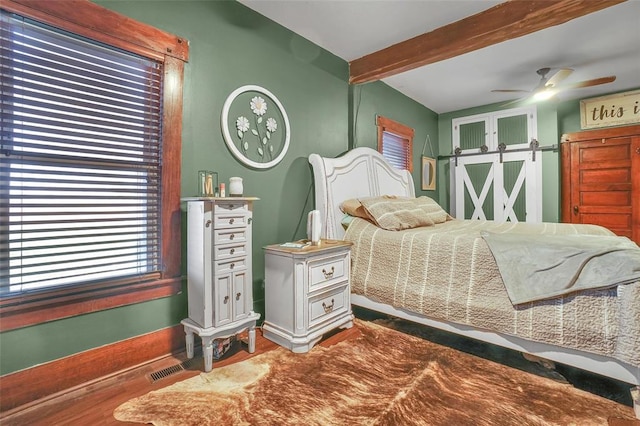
307	293
220	286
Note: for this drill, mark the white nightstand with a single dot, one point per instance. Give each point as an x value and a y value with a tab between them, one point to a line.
307	293
220	293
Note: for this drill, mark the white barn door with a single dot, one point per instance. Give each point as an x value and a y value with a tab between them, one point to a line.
472	196
490	186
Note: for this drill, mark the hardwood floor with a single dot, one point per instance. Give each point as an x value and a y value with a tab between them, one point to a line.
93	403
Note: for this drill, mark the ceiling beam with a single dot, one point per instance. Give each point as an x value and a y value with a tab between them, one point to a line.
500	23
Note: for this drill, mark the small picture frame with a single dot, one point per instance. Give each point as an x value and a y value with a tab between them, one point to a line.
428	174
207	183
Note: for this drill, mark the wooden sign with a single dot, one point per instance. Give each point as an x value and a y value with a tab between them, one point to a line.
611	110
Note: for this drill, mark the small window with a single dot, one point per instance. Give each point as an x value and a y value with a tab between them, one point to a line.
395	143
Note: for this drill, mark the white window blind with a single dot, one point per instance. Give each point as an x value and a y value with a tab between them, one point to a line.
80	171
396	150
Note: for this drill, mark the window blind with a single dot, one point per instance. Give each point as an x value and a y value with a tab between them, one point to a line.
80	172
396	150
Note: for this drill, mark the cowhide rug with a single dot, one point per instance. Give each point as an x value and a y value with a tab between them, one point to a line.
381	377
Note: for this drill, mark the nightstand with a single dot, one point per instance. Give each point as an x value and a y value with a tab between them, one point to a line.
307	293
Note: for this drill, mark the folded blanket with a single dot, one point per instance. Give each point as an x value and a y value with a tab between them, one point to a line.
536	267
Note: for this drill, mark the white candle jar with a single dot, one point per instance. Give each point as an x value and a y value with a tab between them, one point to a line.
235	187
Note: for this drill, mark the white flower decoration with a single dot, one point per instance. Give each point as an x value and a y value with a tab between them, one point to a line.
258	105
242	124
272	125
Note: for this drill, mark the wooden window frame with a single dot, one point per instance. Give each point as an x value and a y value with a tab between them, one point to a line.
391	126
84	18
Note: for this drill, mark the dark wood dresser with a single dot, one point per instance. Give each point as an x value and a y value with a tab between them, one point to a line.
601	179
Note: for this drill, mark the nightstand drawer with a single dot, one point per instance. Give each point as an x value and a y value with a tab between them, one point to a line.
327	305
228	251
329	269
230	236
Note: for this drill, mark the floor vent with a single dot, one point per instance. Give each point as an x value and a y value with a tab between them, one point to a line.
166	372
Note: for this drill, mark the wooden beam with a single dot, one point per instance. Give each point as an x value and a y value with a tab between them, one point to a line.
502	22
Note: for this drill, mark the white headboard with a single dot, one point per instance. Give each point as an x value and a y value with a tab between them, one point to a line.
361	172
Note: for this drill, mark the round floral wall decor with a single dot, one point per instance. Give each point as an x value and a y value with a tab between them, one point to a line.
255	127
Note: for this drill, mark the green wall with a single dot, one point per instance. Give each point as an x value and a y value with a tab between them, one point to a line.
373	99
231	46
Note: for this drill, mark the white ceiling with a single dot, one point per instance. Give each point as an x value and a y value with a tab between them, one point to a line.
600	44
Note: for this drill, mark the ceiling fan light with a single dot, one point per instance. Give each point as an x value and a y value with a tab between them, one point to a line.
544	94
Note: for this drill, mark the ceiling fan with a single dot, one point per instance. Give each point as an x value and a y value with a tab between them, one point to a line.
548	87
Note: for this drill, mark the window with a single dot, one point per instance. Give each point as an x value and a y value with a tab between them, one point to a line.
395	143
86	196
81	160
515	128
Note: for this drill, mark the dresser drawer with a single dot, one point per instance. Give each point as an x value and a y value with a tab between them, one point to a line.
230	236
327	270
230	220
233	207
327	305
231	265
227	251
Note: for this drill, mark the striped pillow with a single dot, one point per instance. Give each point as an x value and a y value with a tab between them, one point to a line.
397	213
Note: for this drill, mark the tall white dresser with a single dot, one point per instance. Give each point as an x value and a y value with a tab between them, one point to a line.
220	286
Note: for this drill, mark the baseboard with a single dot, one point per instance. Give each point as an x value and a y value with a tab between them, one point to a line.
25	386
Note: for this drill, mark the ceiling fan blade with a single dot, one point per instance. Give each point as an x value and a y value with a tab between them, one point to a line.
519	102
510	91
513	102
560	75
588	83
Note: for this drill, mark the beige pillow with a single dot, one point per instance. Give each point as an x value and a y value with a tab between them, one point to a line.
433	210
354	207
397	213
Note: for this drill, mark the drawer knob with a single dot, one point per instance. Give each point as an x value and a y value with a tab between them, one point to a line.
232	236
232	251
226	299
329	308
231	221
329	274
233	265
238	295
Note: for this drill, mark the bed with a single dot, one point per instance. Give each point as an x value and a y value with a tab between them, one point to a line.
451	281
